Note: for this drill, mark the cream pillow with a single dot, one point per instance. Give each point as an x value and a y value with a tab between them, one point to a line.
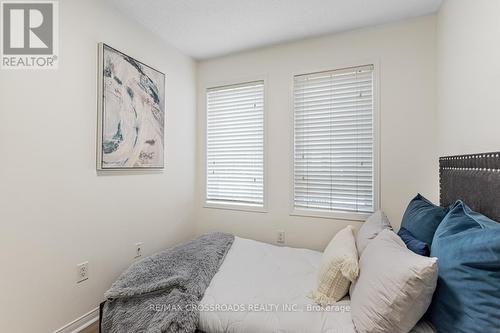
339	266
394	288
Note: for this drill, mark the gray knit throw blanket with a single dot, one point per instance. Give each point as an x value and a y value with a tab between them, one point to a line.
160	293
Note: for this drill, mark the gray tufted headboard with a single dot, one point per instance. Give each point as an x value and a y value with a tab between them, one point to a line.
474	179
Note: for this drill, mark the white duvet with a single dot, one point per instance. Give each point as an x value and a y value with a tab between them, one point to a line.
263	288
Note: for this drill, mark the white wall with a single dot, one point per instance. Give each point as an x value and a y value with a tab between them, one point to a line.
55	210
468	76
405	53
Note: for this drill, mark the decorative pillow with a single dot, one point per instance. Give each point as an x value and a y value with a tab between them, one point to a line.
422	218
370	229
467	297
339	266
414	244
394	288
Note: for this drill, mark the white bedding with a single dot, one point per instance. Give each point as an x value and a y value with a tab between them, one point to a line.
265	288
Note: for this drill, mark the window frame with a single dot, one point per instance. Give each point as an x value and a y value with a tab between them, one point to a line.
338	215
225	205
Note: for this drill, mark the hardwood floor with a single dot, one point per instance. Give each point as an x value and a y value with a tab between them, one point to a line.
91	329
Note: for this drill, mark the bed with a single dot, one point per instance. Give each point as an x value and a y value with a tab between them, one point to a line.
262	274
276	282
266	288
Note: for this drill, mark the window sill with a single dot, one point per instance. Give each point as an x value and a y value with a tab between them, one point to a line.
358	217
237	207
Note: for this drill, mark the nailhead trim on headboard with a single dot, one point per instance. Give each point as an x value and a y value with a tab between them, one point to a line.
466	157
475	169
486	161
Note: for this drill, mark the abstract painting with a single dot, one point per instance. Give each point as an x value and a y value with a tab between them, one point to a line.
131	113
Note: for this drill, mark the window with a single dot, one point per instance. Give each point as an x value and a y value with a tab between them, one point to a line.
334	142
235	145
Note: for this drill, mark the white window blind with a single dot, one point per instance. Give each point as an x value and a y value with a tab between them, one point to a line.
334	141
235	144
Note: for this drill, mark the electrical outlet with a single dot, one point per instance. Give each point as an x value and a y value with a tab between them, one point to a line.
138	250
281	237
82	272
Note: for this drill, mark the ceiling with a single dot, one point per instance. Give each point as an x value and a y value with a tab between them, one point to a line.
209	28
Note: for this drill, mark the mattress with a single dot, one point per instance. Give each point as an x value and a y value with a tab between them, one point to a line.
265	288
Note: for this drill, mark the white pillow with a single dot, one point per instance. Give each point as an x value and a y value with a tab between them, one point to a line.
339	266
370	229
394	288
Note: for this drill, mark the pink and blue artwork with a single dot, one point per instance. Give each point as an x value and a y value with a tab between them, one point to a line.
132	113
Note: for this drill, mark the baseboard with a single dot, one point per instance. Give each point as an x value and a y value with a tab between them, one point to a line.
81	323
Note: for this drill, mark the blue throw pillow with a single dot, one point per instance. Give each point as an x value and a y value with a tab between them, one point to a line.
467	297
414	244
422	218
